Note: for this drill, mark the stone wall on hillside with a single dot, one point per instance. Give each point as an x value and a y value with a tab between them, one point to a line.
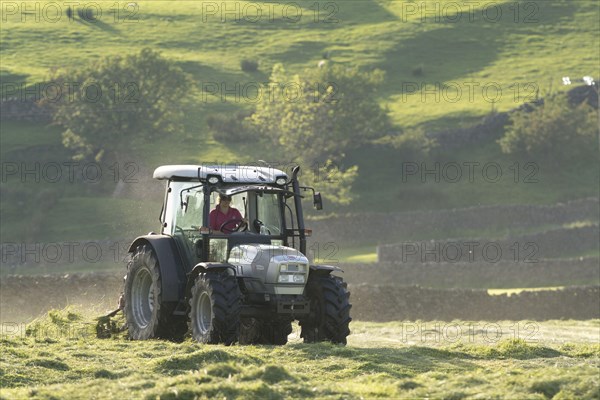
352	229
504	274
555	243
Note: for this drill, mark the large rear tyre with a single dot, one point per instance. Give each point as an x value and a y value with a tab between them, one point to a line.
329	316
215	308
146	314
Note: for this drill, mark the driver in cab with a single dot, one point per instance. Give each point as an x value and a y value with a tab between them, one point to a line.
224	217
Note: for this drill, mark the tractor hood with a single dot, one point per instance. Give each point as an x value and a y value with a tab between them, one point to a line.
284	267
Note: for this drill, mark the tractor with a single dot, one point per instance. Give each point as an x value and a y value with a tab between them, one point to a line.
245	281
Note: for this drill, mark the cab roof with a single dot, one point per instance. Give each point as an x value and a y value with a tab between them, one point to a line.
227	173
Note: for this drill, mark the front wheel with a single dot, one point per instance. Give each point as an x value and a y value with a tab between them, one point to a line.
215	308
329	316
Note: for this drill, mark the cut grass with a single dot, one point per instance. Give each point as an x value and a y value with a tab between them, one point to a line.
61	359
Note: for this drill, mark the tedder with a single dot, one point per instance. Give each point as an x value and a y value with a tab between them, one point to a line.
244	281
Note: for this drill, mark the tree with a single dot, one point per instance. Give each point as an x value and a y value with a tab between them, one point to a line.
554	131
410	142
319	116
118	99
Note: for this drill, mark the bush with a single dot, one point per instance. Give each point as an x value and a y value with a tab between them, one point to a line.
249	65
153	93
330	110
553	131
410	142
229	128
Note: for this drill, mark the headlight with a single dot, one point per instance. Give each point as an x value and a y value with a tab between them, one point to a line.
292	273
290	278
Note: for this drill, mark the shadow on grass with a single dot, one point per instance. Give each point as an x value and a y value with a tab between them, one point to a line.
207	77
404	362
317	16
96	23
398	363
9	83
450	50
299	52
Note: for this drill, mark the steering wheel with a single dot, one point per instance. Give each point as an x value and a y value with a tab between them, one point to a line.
239	222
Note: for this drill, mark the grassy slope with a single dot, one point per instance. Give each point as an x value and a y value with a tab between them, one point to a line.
368	34
381	360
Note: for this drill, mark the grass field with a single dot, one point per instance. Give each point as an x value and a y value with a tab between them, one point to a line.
60	357
532	43
536	43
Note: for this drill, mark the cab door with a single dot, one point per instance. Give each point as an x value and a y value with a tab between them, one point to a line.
184	215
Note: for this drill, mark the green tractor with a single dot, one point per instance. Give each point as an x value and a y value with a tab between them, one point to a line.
244	281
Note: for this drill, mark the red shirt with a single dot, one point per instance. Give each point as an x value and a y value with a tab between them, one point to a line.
218	218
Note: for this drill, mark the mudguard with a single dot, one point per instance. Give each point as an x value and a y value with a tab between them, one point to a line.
325	268
203	267
172	269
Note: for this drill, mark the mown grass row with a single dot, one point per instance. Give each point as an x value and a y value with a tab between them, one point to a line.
61	358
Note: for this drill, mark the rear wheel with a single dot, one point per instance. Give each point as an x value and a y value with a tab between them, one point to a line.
329	316
146	315
215	308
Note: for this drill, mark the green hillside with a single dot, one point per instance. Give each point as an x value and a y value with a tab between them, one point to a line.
518	50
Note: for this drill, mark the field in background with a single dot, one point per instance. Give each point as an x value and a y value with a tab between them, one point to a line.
535	45
525	359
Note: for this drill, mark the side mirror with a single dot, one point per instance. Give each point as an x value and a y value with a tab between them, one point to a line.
184	205
318	201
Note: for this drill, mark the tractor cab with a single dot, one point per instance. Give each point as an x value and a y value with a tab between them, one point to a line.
268	201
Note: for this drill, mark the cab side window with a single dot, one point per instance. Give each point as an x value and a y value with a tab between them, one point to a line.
190	216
